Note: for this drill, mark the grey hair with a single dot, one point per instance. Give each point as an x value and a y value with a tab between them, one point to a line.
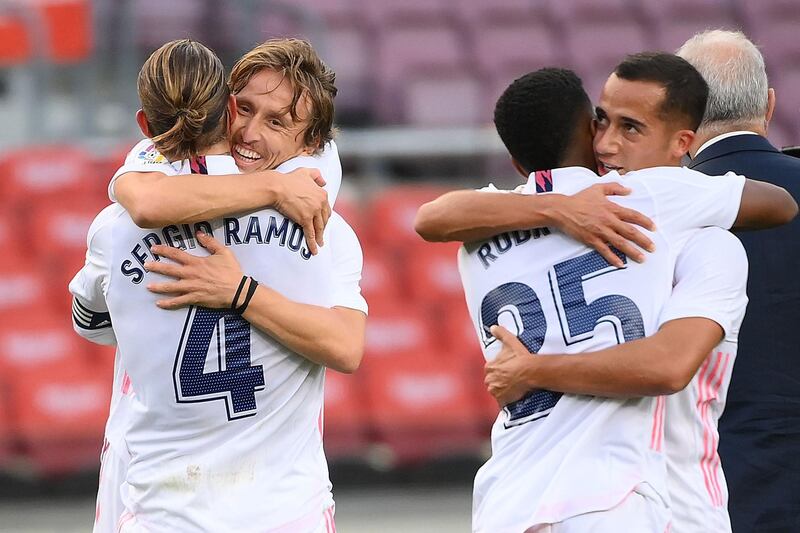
736	75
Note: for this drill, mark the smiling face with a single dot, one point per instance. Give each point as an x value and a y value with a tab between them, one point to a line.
632	132
264	134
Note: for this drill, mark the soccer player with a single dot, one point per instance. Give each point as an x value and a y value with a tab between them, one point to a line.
577	298
707	303
210	448
155	193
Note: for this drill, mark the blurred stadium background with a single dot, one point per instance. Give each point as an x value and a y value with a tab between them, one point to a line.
417	81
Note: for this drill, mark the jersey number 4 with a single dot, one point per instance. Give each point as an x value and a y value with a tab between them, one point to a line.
577	318
219	340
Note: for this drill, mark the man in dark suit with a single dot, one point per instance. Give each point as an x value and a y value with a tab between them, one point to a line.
760	430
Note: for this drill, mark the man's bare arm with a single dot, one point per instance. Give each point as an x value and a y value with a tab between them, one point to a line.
588	217
154	199
764	205
663	363
333	337
468	215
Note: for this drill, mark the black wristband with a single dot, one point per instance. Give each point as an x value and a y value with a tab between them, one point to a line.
251	290
238	292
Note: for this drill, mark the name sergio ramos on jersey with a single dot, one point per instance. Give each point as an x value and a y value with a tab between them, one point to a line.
279	231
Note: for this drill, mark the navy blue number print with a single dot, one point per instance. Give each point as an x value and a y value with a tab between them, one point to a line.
581	317
521	302
577	324
235	381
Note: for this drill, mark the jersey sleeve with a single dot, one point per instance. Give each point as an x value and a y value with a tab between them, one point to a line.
327	162
144	157
688	200
348	261
710	281
90	316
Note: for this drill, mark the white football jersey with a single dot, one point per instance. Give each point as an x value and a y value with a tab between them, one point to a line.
224	428
710	282
144	157
555	456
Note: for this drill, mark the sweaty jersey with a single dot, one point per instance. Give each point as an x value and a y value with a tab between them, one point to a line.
555	456
224	428
710	282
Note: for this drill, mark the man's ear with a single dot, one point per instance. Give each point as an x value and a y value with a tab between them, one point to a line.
519	168
141	120
682	142
311	150
770	105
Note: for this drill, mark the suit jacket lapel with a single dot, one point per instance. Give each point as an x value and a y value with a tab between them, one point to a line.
737	143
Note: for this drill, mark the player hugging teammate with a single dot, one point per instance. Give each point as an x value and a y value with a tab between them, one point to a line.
216	417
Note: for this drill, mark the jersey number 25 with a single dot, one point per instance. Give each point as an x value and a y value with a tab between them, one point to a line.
576	316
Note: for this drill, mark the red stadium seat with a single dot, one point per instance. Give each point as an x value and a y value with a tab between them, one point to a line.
464	348
590	11
422	408
59	236
599	34
405	49
334	12
59	414
480	12
349	208
391	12
347	50
443	99
769	23
521	45
596	49
106	164
778	47
41	341
380	277
345	425
60	228
68	26
10	240
157	22
392	214
46	171
461	343
433	273
394	330
23	291
510	38
15	42
787	107
487	407
677	20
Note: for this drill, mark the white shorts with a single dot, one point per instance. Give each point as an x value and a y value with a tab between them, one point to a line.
109	508
642	511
